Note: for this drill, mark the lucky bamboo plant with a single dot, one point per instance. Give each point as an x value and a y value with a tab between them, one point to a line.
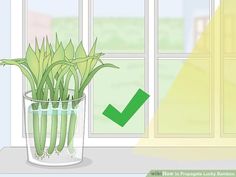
49	71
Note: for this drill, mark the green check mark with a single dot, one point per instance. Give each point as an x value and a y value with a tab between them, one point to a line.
133	106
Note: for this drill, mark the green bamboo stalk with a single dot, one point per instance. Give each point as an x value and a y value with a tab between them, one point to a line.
43	129
48	65
62	131
53	137
71	131
44	119
36	133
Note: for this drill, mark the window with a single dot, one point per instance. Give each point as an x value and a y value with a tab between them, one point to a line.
38	22
155	45
178	22
228	64
181	30
119	29
121	34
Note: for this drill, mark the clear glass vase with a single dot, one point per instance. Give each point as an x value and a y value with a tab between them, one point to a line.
54	131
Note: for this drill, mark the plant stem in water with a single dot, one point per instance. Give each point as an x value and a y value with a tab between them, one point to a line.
43	129
36	133
53	137
71	131
63	131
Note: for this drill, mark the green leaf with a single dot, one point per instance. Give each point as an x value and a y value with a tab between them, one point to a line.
57	44
61	82
42	46
76	81
18	60
66	86
93	49
51	49
32	61
48	47
81	54
46	54
46	62
37	51
92	53
51	70
50	62
58	56
45	97
80	51
95	59
59	79
31	73
41	60
25	72
50	86
69	51
47	71
76	85
91	75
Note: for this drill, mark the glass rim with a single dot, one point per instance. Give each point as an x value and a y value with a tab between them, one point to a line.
26	97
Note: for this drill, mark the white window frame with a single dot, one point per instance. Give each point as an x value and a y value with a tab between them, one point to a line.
144	56
151	140
182	56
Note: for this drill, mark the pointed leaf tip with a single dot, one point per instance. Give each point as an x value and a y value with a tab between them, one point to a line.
69	51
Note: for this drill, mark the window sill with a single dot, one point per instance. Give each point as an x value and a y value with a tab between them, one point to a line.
125	160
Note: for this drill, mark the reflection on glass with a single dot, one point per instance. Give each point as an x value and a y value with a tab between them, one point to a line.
184	97
229	97
118	89
119	25
229	27
181	23
48	17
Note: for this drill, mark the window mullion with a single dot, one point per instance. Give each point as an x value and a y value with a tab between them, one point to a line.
116	56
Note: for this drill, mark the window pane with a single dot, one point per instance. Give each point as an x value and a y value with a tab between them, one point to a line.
184	97
48	17
229	97
118	89
229	27
181	23
119	25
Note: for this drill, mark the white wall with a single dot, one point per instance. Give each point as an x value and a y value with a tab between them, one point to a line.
5	74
